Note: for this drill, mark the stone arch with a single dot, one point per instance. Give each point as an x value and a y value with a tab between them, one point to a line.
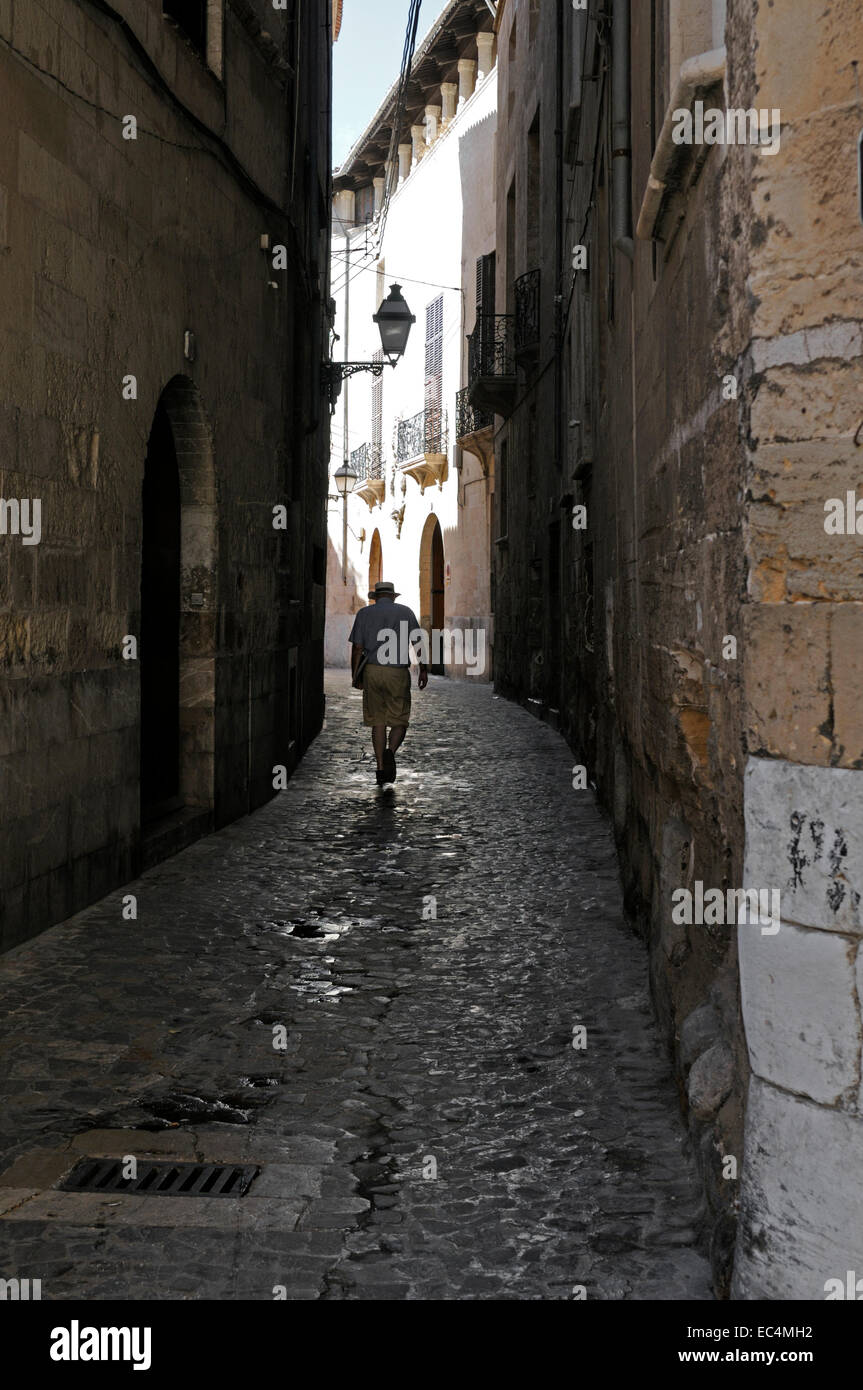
432	613
181	439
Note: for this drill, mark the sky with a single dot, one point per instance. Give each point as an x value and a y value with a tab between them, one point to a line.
366	61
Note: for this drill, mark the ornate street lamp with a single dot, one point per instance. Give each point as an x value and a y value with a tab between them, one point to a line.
345	482
346	479
394	320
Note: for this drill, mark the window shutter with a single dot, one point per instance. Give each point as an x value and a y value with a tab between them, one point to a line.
377	406
434	374
485	277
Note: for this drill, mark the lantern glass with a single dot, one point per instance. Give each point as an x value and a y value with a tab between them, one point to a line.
394	320
345	479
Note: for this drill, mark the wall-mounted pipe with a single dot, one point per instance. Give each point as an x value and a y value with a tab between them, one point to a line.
621	130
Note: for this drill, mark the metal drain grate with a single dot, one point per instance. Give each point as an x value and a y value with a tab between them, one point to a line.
161	1179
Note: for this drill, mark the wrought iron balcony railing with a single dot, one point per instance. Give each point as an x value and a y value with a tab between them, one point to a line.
367	462
527	312
468	418
491	347
425	433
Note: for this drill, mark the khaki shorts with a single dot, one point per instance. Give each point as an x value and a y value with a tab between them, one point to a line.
386	695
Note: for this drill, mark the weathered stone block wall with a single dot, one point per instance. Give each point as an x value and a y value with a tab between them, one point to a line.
531	536
669	569
644	598
709	625
800	1220
110	251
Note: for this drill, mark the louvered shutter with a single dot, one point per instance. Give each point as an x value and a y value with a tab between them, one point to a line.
434	375
377	404
485	290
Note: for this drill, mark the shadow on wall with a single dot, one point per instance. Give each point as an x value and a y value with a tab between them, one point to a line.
343	601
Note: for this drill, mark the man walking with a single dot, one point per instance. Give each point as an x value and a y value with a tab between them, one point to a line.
381	665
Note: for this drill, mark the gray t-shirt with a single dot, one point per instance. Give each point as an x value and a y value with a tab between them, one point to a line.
383	630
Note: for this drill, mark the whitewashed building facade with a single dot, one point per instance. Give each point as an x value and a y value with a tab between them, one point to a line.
419	513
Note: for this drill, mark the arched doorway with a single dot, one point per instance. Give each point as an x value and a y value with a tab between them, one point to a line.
432	607
159	648
177	648
376	561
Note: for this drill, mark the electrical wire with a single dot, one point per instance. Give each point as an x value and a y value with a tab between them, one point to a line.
402	279
373	250
398	115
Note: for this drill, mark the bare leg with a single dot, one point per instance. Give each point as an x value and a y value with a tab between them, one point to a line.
397	737
379	743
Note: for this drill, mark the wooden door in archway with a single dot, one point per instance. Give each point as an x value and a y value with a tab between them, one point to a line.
432	589
178	646
160	624
376	561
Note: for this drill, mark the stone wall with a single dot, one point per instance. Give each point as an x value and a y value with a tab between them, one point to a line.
800	1224
696	635
114	249
613	622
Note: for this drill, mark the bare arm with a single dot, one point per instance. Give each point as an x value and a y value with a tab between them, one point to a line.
356	658
423	680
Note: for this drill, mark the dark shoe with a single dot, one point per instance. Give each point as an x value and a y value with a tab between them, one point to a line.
389	765
382	778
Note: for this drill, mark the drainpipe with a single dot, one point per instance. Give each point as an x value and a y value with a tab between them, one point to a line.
621	123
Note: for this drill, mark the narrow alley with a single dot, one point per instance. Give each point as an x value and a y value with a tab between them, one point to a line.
374	998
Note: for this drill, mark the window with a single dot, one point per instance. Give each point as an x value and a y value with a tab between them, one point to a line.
510	249
534	20
191	17
534	193
434	373
365	204
694	26
377	405
501	491
201	21
485	295
485	276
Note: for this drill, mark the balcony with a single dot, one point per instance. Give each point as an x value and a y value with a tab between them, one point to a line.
367	462
527	317
423	442
491	363
474	429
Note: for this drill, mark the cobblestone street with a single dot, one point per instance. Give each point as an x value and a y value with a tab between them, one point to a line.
429	1130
